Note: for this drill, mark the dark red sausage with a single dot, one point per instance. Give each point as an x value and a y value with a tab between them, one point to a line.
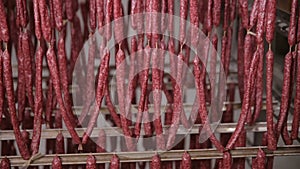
28	68
227	160
49	103
111	108
101	142
217	12
60	144
164	16
91	162
114	162
170	14
186	162
246	103
270	20
259	83
254	13
260	21
119	23
38	102
69	9
199	75
3	23
244	13
1	88
37	20
183	18
194	15
58	14
100	14
260	159
296	117
293	22
240	58
5	163
92	15
45	20
155	162
285	95
120	57
52	63
100	91
56	163
155	19
144	83
270	124
226	14
8	81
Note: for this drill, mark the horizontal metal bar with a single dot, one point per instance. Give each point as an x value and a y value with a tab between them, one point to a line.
145	156
115	131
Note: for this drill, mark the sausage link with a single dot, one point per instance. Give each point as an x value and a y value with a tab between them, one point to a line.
51	60
58	14
5	163
91	162
243	5
100	14
92	15
3	23
296	117
260	21
8	81
56	163
270	124
119	23
217	12
60	144
270	20
254	13
186	162
155	162
293	22
227	160
45	20
38	102
183	18
170	14
114	162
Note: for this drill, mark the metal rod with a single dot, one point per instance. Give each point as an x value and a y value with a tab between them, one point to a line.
145	156
115	131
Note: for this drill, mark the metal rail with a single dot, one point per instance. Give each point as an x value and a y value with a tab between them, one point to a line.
145	156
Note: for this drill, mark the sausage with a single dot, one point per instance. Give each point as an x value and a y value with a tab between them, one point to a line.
8	81
232	11
260	159
28	68
100	14
194	15
58	14
3	23
199	75
144	84
226	14
101	141
56	163
52	14
259	83
296	117
186	162
49	103
155	19
37	20
254	13
119	23
217	12
260	21
245	104
244	13
21	80
164	16
183	18
51	60
92	15
45	20
269	102
247	58
170	14
111	108
91	162
157	96
63	74
114	162
227	160
155	162
38	101
100	91
1	89
59	144
90	79
120	57
293	22
240	60
69	9
285	95
270	20
5	163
